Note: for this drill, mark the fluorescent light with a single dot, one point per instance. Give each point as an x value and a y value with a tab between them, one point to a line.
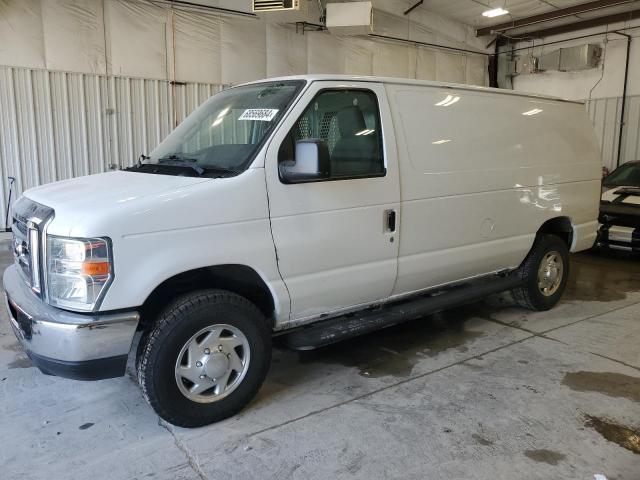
440	142
364	132
535	111
448	100
495	12
453	100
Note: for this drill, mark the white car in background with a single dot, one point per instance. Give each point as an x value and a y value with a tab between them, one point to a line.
620	209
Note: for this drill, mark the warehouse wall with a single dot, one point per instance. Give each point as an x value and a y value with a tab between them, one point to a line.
88	85
605	114
57	125
601	88
148	39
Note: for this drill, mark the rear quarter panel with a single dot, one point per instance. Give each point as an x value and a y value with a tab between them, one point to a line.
480	174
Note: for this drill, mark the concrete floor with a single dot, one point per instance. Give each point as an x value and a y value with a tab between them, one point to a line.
481	392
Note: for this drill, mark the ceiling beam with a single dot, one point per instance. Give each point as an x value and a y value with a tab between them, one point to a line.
413	7
554	15
572	27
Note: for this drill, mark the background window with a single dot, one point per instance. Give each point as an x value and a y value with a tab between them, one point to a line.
349	122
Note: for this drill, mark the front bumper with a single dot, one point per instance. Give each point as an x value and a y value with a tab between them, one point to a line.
67	344
619	238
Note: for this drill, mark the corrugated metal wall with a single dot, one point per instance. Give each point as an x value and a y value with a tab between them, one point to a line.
605	114
56	125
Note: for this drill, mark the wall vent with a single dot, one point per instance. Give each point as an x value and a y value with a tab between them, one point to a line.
275	5
571	59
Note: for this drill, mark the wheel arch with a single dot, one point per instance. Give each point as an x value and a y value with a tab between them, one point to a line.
240	279
560	226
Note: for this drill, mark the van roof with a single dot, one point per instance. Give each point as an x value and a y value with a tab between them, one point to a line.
409	81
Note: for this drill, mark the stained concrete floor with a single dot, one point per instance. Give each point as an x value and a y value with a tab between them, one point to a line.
485	391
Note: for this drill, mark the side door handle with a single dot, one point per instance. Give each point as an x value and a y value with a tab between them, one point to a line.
390	217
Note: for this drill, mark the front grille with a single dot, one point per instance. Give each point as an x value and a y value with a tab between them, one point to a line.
22	248
28	223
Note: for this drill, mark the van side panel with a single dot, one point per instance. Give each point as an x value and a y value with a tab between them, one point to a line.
480	172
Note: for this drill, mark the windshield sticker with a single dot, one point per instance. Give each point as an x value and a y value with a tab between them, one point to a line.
259	114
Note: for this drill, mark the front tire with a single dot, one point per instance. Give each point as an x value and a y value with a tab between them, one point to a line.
544	274
205	358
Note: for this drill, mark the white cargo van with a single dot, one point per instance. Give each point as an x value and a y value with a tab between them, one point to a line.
319	207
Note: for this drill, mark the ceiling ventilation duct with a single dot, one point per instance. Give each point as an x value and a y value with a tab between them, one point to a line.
571	59
549	61
284	11
349	18
275	5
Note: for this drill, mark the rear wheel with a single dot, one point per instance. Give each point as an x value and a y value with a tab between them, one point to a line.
205	358
544	273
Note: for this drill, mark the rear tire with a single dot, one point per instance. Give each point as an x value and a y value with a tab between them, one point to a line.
205	358
544	274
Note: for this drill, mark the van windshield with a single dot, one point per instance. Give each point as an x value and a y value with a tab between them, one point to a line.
223	135
627	175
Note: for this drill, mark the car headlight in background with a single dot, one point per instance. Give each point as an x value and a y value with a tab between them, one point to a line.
79	270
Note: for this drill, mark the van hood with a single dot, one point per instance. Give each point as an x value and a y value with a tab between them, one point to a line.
107	188
94	195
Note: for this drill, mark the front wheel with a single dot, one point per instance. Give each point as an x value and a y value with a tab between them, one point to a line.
544	274
205	358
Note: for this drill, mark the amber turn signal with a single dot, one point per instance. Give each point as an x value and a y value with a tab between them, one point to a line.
95	268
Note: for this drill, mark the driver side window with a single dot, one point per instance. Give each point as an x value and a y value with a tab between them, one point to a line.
347	122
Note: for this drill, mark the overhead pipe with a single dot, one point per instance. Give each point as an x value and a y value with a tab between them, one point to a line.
582	25
202	6
427	44
493	65
413	7
318	27
624	96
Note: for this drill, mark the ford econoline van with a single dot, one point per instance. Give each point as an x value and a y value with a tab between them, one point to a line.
313	207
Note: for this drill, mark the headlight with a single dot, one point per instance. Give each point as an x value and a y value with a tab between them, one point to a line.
79	271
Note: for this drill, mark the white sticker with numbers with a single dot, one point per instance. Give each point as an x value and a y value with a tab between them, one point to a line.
259	114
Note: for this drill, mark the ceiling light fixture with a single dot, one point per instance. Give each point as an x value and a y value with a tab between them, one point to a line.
495	12
448	100
367	131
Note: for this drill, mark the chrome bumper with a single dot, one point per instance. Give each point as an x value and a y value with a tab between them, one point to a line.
619	238
67	344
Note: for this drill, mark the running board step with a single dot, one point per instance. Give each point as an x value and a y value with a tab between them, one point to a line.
326	332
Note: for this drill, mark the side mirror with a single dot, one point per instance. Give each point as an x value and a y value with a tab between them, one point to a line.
311	162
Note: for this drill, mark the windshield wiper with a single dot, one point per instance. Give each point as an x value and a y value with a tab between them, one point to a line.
138	163
177	161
